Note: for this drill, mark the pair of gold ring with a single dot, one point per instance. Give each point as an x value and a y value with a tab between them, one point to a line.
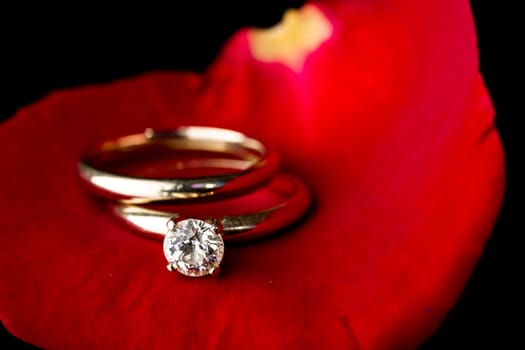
194	188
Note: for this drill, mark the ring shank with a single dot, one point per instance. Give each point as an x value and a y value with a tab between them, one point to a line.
254	165
235	228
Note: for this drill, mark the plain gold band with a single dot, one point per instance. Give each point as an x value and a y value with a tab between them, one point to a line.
256	166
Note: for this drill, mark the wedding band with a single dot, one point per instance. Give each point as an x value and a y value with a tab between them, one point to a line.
195	246
254	165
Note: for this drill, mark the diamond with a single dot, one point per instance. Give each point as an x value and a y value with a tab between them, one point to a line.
193	247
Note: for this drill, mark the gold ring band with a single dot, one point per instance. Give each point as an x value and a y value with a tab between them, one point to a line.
253	162
235	228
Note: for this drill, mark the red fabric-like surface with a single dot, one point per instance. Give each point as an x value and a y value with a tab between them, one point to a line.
390	126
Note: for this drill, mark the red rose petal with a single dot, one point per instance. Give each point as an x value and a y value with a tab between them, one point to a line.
387	121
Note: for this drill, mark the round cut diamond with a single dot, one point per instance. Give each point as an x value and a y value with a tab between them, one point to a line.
193	247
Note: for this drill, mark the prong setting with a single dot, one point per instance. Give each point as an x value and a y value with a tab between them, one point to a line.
172	222
217	223
216	271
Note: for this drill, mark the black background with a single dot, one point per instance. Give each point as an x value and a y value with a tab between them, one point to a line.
42	50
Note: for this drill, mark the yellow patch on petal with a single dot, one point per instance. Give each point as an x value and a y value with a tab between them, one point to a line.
290	41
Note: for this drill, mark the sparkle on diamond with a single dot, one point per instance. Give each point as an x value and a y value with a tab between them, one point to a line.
193	247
